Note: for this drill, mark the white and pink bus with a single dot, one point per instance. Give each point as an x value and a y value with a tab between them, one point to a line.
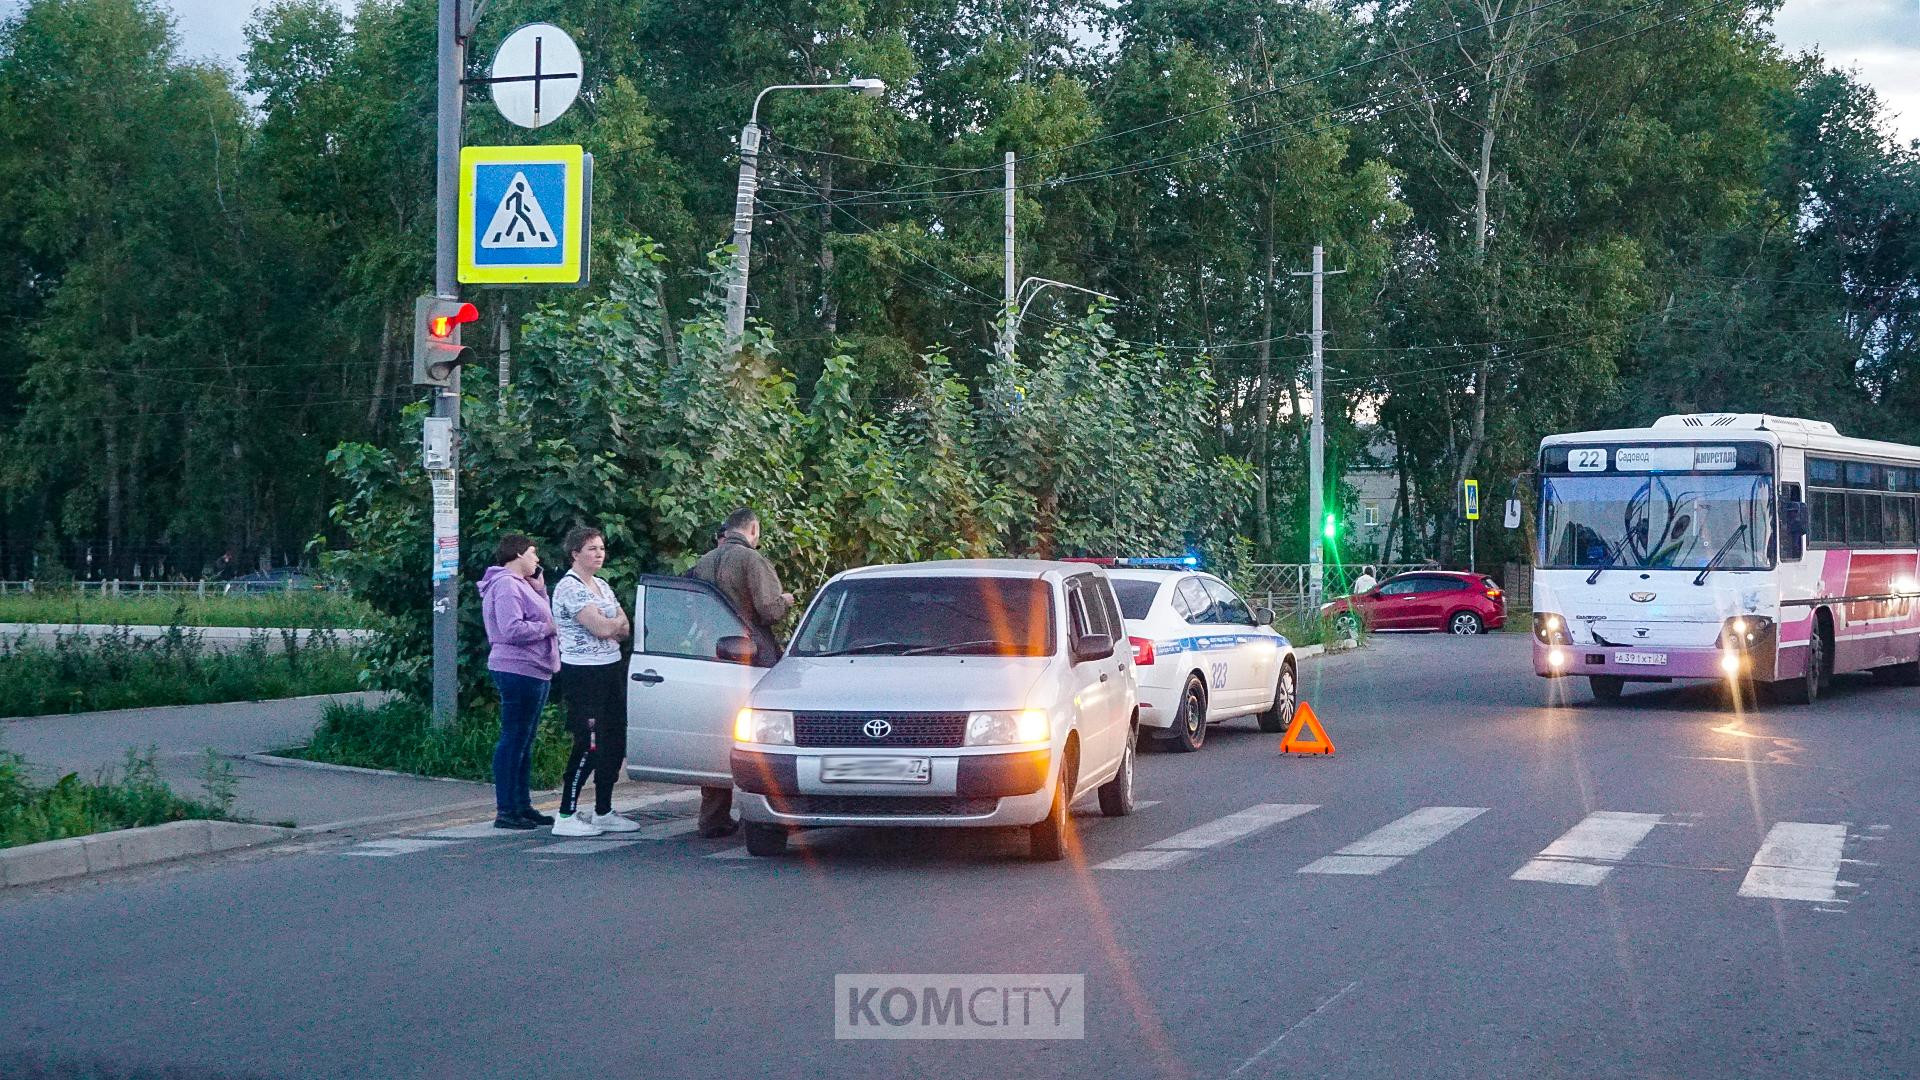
1738	547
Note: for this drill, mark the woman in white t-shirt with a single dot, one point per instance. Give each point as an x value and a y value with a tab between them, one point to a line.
592	624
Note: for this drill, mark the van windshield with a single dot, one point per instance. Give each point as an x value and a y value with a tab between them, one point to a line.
929	616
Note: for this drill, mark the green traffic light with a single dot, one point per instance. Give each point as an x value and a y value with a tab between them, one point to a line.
1331	528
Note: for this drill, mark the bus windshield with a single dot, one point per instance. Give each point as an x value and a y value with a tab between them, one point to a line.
1668	521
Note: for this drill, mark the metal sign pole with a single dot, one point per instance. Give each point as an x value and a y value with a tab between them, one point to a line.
446	401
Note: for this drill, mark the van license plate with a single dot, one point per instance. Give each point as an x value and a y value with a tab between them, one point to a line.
1651	659
876	770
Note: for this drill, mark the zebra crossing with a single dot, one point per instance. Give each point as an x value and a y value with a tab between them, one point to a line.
1796	860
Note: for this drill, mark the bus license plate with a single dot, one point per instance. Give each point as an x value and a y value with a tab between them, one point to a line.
1651	659
876	770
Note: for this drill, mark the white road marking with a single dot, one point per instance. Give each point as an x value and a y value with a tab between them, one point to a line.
1182	846
1146	860
471	832
1586	854
581	847
1797	861
622	806
1379	850
381	849
1241	823
665	830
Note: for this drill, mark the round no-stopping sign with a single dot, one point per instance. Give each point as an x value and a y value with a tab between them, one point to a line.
535	75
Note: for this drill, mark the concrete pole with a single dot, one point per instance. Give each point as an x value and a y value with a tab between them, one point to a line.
446	400
1317	447
1006	330
744	197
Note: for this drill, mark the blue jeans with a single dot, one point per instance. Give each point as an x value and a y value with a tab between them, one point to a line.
521	699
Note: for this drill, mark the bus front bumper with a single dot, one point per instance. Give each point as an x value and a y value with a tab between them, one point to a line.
1653	664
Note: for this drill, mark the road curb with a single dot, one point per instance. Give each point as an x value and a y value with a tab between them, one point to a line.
79	856
327	766
1308	652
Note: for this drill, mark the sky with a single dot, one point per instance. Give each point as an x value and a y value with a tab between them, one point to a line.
1880	39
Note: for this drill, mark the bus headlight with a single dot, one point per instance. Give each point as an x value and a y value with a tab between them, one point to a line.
1730	662
1556	658
1743	633
1550	629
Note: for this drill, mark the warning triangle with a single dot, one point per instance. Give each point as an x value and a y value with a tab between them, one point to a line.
518	222
1305	735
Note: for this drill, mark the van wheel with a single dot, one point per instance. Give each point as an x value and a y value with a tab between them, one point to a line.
1116	795
1189	731
1286	697
1606	687
765	840
1047	841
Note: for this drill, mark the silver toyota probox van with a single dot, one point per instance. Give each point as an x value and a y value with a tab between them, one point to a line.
969	693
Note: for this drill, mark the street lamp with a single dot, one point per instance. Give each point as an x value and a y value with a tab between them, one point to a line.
1020	306
745	195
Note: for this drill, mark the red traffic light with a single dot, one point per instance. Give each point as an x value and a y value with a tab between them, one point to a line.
442	326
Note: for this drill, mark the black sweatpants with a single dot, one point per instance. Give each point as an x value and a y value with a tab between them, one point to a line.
595	696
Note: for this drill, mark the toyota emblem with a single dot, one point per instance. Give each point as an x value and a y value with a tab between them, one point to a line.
877	729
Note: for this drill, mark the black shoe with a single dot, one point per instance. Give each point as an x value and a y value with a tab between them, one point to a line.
514	823
537	817
715	832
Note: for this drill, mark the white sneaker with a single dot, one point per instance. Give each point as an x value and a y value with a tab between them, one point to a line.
612	822
576	825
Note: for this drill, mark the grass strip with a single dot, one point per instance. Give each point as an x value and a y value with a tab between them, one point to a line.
119	671
302	609
130	797
399	734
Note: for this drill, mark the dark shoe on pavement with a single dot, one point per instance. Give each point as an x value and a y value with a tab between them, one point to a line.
537	817
514	823
715	832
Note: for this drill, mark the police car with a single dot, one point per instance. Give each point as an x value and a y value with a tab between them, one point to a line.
1201	654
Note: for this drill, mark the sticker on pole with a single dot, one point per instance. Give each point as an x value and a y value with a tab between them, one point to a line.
523	215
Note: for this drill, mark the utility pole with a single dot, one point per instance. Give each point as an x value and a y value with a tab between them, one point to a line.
1317	440
446	399
744	195
1006	326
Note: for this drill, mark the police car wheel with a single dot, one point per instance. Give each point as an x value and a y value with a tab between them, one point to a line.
1189	731
1116	795
1286	695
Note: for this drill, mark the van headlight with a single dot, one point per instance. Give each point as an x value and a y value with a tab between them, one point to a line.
771	726
1002	728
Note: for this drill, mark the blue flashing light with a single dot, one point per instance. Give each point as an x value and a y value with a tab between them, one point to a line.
1175	561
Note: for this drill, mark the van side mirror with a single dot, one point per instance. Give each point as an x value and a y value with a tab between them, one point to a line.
1092	647
1793	529
734	650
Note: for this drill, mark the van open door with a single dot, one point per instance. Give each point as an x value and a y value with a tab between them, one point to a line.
693	666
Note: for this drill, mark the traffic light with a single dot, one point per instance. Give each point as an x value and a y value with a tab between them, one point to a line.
1330	528
437	351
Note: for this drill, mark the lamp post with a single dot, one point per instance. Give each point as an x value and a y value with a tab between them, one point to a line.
1020	307
745	194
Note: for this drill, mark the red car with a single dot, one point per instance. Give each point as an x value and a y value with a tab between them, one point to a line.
1426	600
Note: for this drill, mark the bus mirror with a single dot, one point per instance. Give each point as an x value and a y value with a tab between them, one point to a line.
1793	529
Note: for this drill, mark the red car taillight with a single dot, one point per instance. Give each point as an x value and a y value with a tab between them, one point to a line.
1493	594
1142	651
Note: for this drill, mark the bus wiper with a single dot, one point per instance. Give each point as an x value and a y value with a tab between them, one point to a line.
1612	557
871	646
987	645
1701	577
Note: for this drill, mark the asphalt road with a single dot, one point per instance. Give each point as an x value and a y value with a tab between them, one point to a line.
1624	949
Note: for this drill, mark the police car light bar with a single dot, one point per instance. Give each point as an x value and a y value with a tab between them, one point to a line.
1143	561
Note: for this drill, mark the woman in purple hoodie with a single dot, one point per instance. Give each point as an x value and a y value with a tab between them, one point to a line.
525	655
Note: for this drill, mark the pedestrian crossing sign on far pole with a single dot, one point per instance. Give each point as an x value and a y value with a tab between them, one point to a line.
523	215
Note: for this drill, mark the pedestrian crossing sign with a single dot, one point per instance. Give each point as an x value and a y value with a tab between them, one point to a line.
523	215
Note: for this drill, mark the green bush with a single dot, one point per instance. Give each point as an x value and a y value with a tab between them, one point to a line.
119	671
132	797
400	735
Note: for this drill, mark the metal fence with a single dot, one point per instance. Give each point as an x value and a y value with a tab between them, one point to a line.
1284	586
118	587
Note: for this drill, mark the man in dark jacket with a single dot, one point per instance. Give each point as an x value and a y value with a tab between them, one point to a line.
748	581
